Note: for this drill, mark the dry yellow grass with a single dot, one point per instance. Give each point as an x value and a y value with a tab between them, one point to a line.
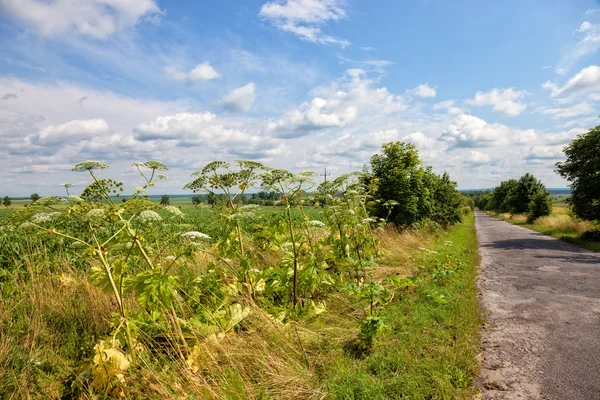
564	222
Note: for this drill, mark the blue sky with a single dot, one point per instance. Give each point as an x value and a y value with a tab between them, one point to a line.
486	90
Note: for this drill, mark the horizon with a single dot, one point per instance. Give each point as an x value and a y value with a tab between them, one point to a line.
486	92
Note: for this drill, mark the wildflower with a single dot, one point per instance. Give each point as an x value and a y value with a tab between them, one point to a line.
40	218
95	213
170	258
89	165
149	217
368	220
173	210
316	223
161	177
195	235
138	190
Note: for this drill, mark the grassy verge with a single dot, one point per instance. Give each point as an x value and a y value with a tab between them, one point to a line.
429	349
559	225
51	317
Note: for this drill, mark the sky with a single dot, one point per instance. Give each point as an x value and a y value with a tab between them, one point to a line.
486	91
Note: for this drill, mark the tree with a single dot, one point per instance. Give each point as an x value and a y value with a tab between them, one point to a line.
35	197
527	188
541	205
164	200
196	200
503	199
6	202
582	169
406	193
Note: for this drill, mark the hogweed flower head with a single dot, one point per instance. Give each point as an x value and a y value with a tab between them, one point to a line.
89	165
173	210
196	235
316	223
149	217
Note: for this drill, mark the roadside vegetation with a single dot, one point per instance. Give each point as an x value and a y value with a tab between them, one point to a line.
109	299
575	219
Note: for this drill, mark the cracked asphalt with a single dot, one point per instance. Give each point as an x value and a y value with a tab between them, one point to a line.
542	300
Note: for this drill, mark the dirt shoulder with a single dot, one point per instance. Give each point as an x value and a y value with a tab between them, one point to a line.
542	299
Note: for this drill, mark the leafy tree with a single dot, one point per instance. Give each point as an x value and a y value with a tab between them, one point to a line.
406	193
398	176
582	169
164	200
503	196
541	205
527	188
196	200
6	202
35	197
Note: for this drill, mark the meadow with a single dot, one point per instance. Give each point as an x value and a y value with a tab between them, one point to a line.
108	299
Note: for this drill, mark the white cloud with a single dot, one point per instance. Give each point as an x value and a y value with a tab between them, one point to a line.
423	90
545	153
567	112
207	130
585	81
588	45
71	131
468	131
337	105
201	72
422	141
304	18
477	158
240	99
505	101
95	18
449	106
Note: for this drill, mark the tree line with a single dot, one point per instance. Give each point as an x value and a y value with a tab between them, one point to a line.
528	195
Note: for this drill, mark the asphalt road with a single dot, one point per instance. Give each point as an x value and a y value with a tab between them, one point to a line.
542	300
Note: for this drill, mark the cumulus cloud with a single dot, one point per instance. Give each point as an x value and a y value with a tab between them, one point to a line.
304	18
94	18
202	72
420	140
505	101
477	158
207	130
423	90
545	153
240	99
336	106
585	81
449	106
468	131
71	131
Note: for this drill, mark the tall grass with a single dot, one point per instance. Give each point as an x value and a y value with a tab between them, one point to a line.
51	317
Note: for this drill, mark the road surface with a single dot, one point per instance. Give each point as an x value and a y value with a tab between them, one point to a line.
542	300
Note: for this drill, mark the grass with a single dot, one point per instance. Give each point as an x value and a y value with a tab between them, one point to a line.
51	316
429	349
560	224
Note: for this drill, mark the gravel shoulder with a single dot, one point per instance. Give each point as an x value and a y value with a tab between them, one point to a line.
542	300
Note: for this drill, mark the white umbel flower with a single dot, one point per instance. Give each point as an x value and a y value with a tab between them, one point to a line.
196	235
173	210
316	223
149	217
95	213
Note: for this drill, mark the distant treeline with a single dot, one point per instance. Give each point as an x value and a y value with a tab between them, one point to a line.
528	195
